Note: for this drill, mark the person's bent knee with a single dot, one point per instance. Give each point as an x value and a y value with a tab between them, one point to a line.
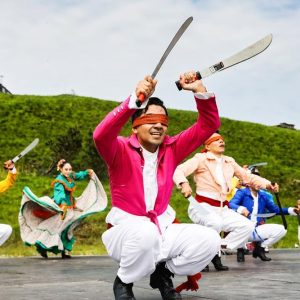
215	225
214	239
248	226
148	237
207	236
6	231
281	230
9	230
251	227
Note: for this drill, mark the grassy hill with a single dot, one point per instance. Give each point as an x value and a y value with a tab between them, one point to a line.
70	120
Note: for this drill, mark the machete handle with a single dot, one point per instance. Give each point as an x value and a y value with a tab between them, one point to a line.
276	193
6	168
280	208
273	183
198	77
141	98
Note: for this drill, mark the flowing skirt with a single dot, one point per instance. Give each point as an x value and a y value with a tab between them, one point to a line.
41	222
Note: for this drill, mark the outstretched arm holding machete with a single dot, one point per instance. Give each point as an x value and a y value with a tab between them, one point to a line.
6	230
10	178
10	165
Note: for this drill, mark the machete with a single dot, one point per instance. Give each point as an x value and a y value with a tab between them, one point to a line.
175	39
237	58
250	167
25	151
265	215
280	210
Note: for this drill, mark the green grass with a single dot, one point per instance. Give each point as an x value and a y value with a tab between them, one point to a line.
23	118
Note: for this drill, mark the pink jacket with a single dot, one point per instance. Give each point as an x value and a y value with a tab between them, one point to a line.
203	165
124	157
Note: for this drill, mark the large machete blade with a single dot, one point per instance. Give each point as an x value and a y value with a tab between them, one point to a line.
237	58
26	150
175	39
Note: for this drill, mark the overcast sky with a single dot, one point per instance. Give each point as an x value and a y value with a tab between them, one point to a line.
103	48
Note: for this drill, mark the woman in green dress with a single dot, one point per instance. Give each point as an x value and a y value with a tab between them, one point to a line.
64	187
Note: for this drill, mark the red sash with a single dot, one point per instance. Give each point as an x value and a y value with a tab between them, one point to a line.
210	201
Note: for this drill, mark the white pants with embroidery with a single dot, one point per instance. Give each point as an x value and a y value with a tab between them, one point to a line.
5	232
268	234
223	219
138	246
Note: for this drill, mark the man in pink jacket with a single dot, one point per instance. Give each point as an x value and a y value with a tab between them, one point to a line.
143	238
213	174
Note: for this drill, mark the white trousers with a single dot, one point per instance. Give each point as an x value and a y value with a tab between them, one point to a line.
5	232
223	219
268	234
138	247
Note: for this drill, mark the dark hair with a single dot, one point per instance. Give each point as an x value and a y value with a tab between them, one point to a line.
61	163
151	101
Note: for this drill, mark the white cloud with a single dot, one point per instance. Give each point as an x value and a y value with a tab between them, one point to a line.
102	48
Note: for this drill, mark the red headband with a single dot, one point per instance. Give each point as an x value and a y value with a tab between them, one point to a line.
151	119
213	139
210	140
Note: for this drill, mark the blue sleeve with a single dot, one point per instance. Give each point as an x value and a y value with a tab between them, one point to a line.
80	175
59	193
272	207
237	200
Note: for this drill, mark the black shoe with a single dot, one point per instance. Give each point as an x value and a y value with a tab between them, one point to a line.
240	255
123	291
218	264
161	279
64	255
260	252
206	269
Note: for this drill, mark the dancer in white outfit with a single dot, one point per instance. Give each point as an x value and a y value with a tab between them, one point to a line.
213	174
